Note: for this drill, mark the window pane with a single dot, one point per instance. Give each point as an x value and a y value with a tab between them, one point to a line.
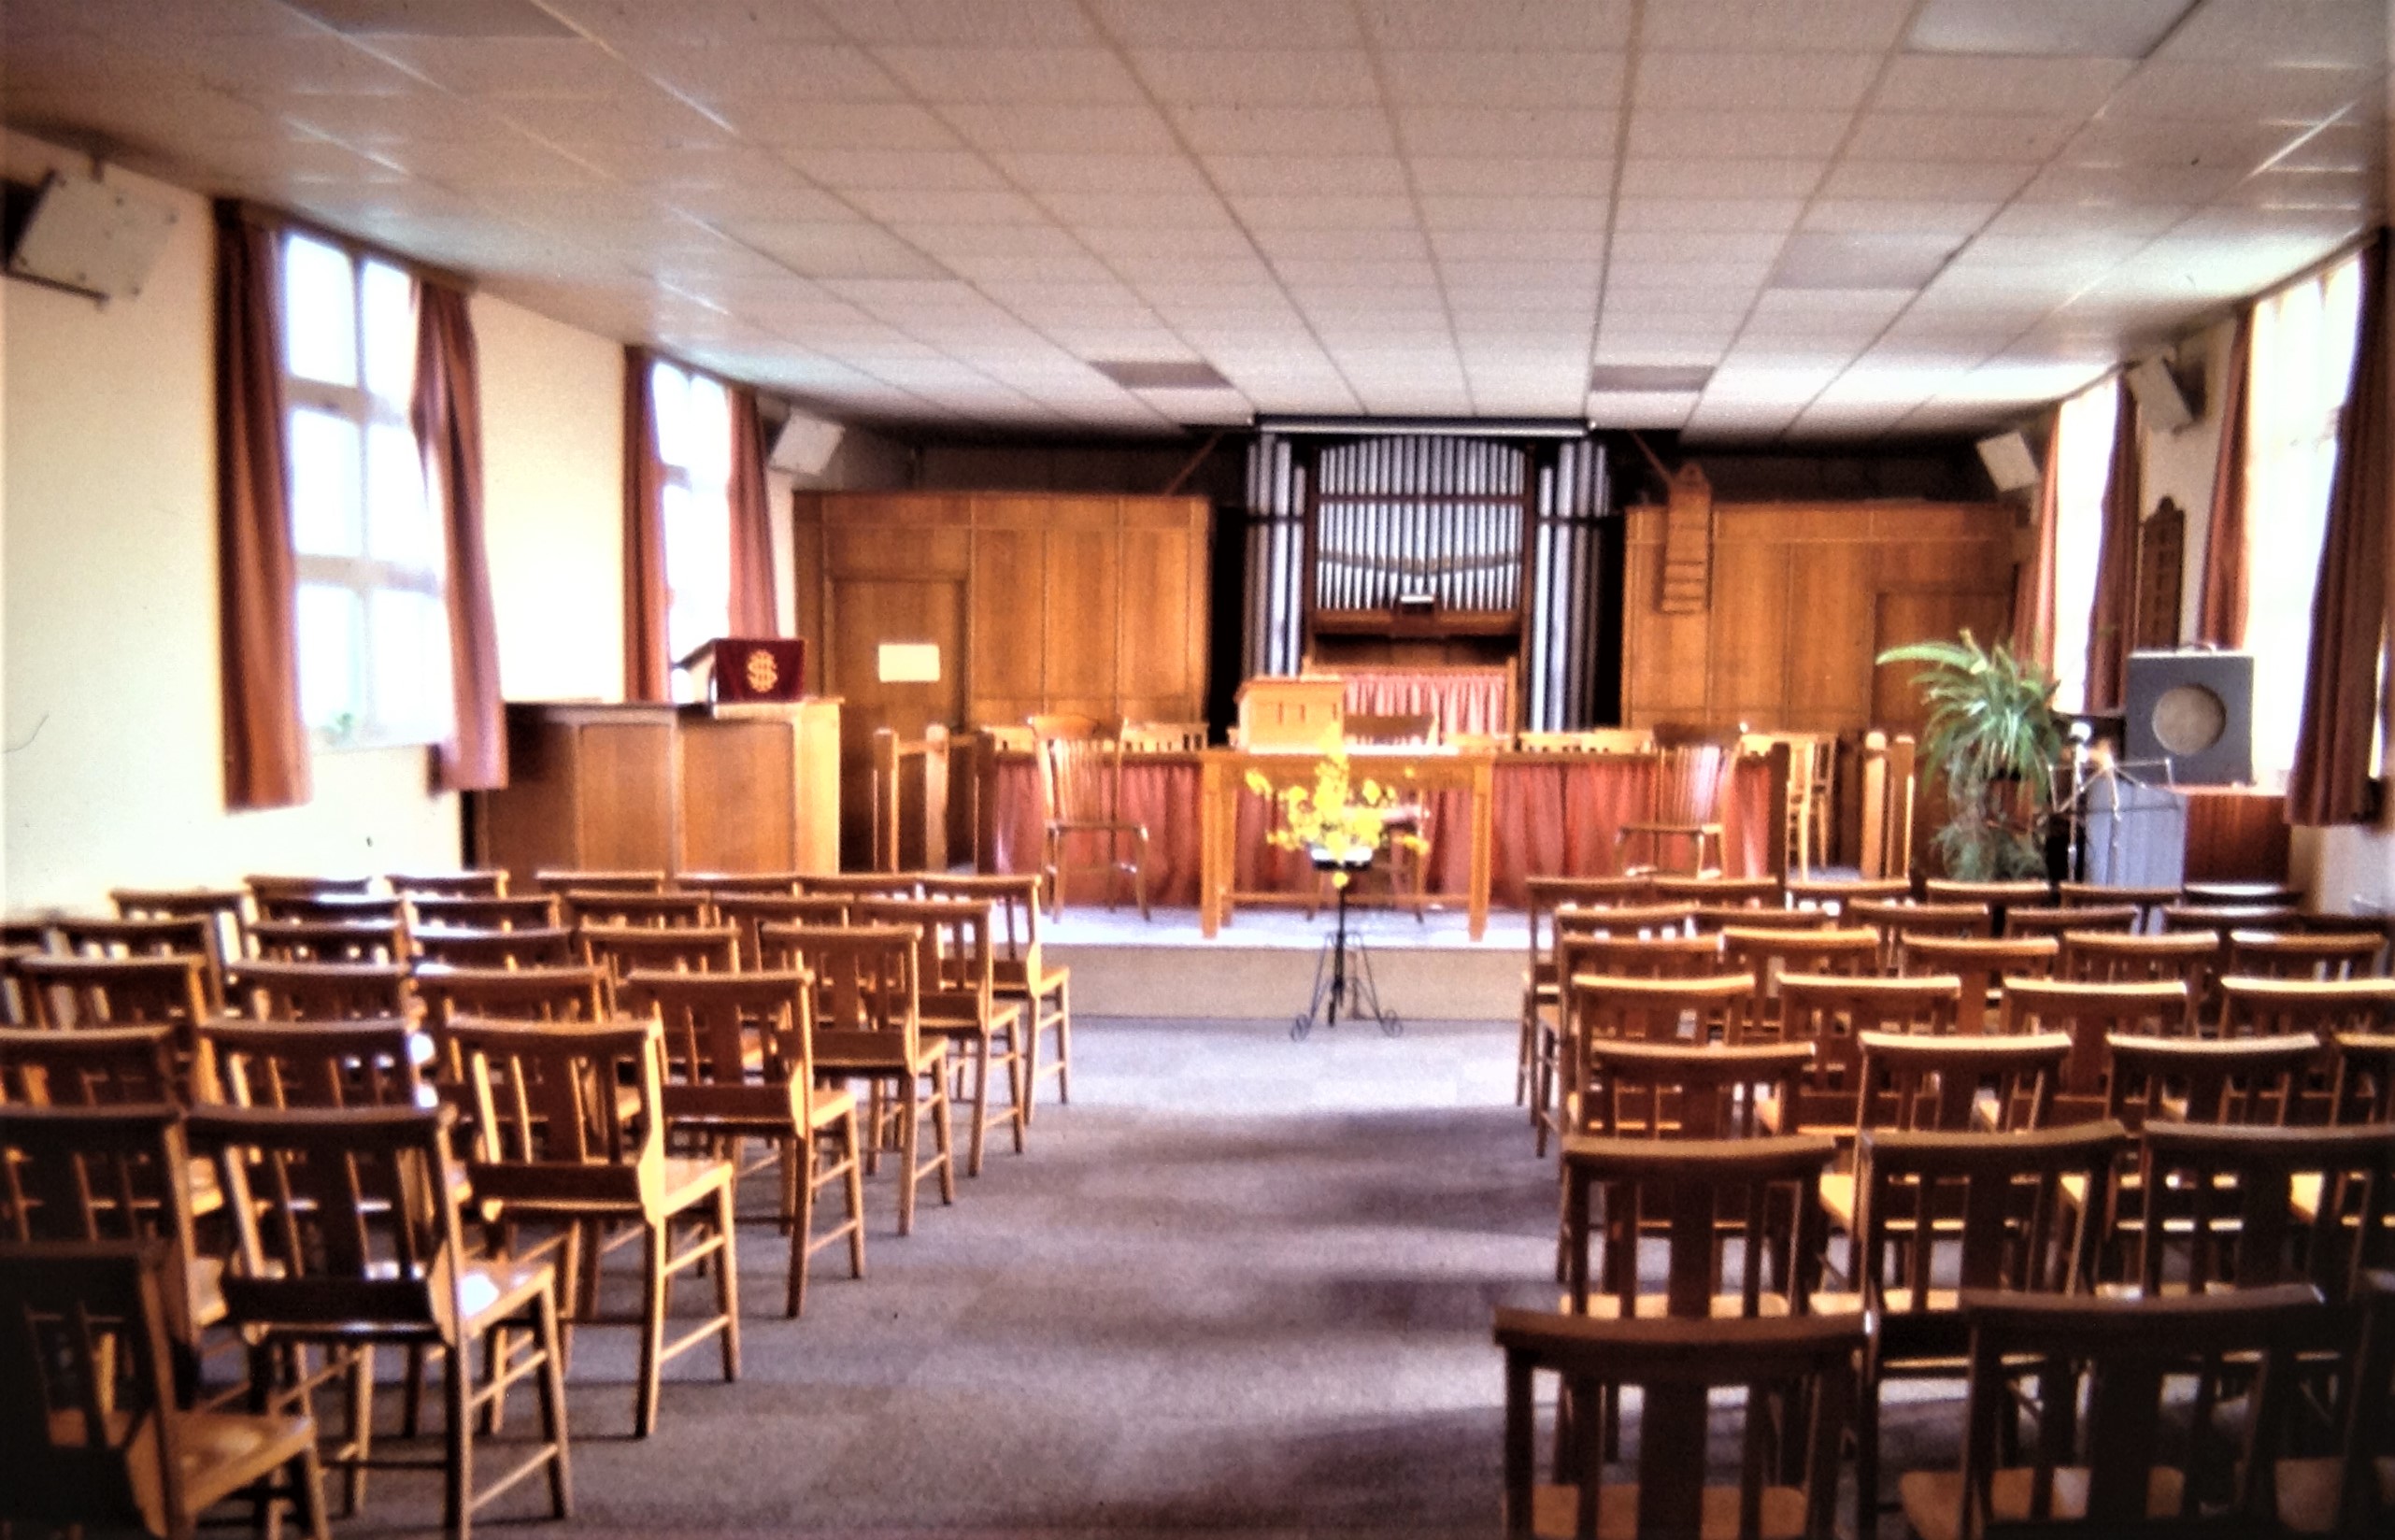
669	394
398	528
324	474
389	301
319	311
411	675
2083	447
709	425
331	627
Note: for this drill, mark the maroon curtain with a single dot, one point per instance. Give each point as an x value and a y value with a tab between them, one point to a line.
2220	607
448	416
645	663
2113	611
2330	782
752	535
2034	580
265	741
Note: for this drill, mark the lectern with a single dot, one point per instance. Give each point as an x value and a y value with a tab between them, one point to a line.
1307	711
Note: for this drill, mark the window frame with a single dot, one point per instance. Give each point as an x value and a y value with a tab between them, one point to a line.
675	476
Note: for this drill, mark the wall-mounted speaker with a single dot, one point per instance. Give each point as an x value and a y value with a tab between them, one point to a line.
2195	710
804	445
2010	465
2160	400
90	236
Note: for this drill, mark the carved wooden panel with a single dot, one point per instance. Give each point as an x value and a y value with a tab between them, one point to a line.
2162	558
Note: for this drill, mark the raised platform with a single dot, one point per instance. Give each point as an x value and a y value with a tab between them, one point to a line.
1262	966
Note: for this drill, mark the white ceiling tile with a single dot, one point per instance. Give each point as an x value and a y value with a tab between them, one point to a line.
945	241
897	205
1751	215
1980	138
1133	245
1048	172
998	23
2282	31
820	126
2168	89
1791	25
1485	132
1698	133
1517	24
1584	216
641	117
1303	273
1892	216
1776	80
1256	77
1046	76
1527	177
2130	184
1516	277
1202	23
1363	244
1928	179
1649	176
721	74
2067	218
906	170
839	250
1640	245
1179	213
2177	144
1329	175
1477	244
1298	131
507	66
1519	79
741	22
1316	211
1689	279
2061	88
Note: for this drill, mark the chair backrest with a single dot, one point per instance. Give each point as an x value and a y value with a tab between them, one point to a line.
1979	962
2174	1079
226	908
955	967
2032	919
367	1062
1687	782
1939	1084
342	1218
745	912
82	993
2249	1207
1973	1210
329	941
2364	1085
1716	893
513	994
2075	895
266	885
85	935
316	991
1638	956
1626	1009
102	1173
707	1019
2240	895
482	912
719	884
95	1066
2004	893
856	885
2091	1014
1832	1013
2219	919
1768	953
1835	893
614	906
696	948
486	883
1677	1366
1013	898
2305	956
1166	737
1765	1194
2111	1460
87	1390
559	879
549	947
1685	1091
551	1122
2104	957
1621	920
2259	1008
867	989
1080	779
1891	917
332	907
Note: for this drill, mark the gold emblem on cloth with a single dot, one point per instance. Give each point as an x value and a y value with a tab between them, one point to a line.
761	671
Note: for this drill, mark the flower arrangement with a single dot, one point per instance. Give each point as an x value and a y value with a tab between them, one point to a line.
1338	821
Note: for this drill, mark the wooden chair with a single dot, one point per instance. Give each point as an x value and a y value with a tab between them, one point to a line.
82	993
1704	1196
547	947
1896	920
483	883
333	908
1835	893
365	1062
1685	1091
746	912
2147	901
2096	957
1768	954
1983	964
852	886
619	949
718	885
2242	894
2219	920
1684	806
1999	896
1806	1363
162	935
1080	794
1707	919
709	1020
2091	1015
2263	1008
1042	988
2364	1087
2352	1492
584	906
1809	793
479	912
2305	956
1165	738
88	1408
94	1066
1545	898
1717	891
1832	1013
2246	1080
2122	1468
2246	1206
226	910
559	1147
2031	919
349	1239
956	976
329	941
264	886
1623	1007
1061	724
559	879
868	1027
1942	1213
318	992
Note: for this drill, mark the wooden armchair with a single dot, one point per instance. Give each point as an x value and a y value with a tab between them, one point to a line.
1686	806
1080	794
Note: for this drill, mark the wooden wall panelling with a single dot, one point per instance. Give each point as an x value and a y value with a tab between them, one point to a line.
1748	677
1007	594
740	811
1084	596
1663	656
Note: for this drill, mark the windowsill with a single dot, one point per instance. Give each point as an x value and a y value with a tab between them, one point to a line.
366	746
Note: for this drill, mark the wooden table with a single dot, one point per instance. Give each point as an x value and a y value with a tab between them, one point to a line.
1224	776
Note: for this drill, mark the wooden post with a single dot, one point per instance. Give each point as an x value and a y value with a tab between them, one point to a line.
884	856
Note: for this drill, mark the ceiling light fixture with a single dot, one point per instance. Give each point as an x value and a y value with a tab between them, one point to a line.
435	18
1383	427
2050	29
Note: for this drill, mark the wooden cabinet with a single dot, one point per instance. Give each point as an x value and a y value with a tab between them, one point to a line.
683	789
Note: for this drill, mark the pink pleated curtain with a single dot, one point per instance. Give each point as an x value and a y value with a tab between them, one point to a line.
645	663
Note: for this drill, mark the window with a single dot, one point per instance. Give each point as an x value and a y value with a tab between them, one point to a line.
2082	452
2302	368
693	418
372	624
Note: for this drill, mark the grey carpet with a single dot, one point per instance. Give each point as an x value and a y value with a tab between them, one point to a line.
1241	1286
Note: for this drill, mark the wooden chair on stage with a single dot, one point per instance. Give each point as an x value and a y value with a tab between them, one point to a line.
488	883
1686	804
559	1145
1041	986
98	1439
1080	794
709	1020
1797	1378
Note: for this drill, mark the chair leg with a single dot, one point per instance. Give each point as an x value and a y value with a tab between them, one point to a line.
353	1474
457	1438
306	1474
1139	878
1019	1077
1063	1041
801	1153
655	1249
980	1105
944	1137
552	1407
856	1190
910	1113
727	1280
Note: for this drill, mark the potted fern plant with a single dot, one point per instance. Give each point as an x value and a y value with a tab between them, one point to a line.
1993	736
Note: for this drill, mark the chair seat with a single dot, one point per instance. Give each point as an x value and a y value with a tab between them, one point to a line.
1933	1500
689	1179
498	1288
825	1106
964	1020
206	1276
1014	980
219	1453
1556	1511
841	1054
2307	1491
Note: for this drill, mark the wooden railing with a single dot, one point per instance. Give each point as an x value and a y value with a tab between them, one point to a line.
1887	806
910	801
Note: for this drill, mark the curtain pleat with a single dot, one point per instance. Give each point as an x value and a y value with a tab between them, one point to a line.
752	611
447	417
266	739
2115	608
2033	580
2330	781
645	663
2220	604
